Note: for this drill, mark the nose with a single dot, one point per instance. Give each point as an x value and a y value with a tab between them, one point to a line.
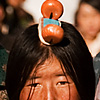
50	92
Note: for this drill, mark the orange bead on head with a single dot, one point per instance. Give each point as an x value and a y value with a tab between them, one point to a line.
52	33
52	6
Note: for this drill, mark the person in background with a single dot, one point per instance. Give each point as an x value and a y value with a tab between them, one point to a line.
87	21
15	21
61	71
3	64
96	64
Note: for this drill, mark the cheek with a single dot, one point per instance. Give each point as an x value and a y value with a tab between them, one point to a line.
97	24
69	94
24	94
81	23
63	94
74	93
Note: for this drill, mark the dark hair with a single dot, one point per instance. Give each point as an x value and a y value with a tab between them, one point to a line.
3	3
94	3
72	52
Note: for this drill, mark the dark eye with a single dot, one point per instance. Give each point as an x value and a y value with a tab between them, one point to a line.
63	83
33	85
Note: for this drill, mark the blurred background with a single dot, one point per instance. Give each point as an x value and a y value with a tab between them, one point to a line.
16	15
34	8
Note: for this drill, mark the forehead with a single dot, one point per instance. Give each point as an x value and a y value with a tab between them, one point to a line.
51	66
84	7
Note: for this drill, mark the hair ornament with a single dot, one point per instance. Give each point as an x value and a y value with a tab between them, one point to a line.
50	31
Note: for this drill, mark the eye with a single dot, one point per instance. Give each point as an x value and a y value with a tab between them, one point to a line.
63	83
34	84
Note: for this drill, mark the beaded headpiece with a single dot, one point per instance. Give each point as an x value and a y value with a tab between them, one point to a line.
50	31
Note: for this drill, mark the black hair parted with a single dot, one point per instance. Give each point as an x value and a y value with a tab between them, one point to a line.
72	52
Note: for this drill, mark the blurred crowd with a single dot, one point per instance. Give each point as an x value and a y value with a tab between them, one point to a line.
13	20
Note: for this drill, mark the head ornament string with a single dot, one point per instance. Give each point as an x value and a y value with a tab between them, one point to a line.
50	31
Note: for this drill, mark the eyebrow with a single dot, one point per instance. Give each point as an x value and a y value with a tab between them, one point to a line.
34	77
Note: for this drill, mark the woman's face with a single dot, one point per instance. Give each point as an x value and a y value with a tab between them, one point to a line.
50	83
88	21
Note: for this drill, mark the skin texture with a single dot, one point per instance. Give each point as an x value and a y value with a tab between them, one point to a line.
88	20
50	83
